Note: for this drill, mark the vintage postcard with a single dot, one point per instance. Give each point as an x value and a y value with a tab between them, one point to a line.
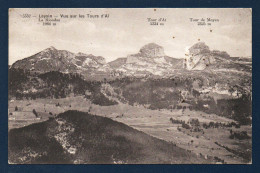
130	86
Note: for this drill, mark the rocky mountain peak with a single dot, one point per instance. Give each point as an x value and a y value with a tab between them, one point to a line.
152	50
200	57
51	48
199	48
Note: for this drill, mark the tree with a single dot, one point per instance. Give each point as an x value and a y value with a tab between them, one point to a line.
35	113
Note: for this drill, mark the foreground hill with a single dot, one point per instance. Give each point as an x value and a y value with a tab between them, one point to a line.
77	137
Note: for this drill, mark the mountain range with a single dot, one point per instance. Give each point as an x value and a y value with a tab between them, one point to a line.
150	60
205	80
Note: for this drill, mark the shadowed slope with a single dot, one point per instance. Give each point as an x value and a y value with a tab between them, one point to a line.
77	137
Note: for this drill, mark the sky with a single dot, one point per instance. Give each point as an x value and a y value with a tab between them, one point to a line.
125	31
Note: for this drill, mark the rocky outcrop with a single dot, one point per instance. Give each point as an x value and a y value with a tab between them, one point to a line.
149	53
199	57
152	50
150	59
199	48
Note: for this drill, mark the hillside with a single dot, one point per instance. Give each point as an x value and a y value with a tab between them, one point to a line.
223	93
208	93
77	137
24	84
117	63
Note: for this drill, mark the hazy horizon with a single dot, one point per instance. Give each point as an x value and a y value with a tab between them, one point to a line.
127	30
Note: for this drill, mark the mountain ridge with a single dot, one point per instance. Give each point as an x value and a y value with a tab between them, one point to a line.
52	59
150	60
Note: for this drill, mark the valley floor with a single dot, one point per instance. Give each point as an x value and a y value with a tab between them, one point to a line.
212	142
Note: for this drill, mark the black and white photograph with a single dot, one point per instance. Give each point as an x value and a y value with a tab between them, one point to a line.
130	86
